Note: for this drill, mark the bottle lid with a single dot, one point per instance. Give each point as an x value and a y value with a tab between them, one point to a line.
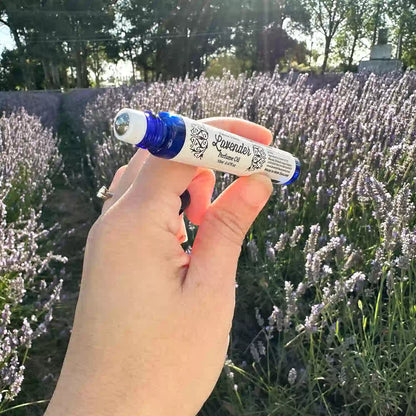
130	126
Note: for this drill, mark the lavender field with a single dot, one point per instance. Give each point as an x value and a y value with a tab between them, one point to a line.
325	321
28	288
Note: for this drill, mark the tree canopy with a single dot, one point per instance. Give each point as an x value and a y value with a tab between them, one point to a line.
65	43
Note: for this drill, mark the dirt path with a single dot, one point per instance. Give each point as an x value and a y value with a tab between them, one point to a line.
75	215
72	208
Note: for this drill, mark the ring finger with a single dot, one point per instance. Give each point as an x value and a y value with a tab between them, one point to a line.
116	180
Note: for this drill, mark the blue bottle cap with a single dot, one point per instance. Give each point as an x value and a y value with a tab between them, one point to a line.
295	174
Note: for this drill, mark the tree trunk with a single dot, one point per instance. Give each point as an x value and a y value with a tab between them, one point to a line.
63	76
351	57
51	74
400	47
326	54
78	63
56	80
376	24
46	75
27	75
399	51
95	66
132	64
85	82
374	40
158	61
186	66
97	78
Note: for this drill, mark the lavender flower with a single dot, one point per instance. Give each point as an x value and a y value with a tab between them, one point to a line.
259	318
310	245
276	319
261	348
254	353
296	235
253	250
311	321
358	141
291	307
24	188
291	378
270	253
281	244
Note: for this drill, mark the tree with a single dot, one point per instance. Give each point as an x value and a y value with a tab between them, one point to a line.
409	52
356	27
11	73
90	23
403	15
275	46
226	62
57	34
173	38
95	61
327	17
378	18
259	34
16	25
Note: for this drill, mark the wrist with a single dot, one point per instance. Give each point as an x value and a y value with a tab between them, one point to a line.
97	390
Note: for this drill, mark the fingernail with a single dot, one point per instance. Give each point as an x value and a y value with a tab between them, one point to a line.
183	238
257	190
185	201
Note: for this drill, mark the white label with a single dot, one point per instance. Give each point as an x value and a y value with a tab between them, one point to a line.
217	149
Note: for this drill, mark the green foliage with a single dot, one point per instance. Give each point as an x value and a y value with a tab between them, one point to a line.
260	36
327	18
229	63
161	39
55	35
11	74
59	41
357	26
403	15
409	53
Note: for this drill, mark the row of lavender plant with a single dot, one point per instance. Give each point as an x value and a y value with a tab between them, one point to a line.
327	273
28	156
42	104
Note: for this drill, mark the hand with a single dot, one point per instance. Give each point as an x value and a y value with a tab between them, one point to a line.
151	327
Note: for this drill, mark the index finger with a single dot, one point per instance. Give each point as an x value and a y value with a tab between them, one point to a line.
243	128
202	186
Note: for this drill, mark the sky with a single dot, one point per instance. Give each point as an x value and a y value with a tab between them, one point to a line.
6	40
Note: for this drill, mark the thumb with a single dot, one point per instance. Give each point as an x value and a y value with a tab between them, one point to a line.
218	242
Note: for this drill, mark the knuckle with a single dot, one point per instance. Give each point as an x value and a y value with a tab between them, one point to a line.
102	223
120	171
94	231
225	223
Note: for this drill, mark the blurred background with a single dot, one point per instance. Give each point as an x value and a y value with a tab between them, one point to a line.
53	44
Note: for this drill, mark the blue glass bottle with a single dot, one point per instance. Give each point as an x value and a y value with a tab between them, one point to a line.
172	136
